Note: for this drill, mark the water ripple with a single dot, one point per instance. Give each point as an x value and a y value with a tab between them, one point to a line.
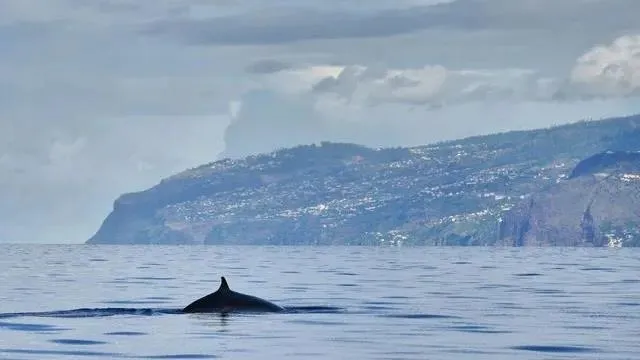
419	316
554	348
77	342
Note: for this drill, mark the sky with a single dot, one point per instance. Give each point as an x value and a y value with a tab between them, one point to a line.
104	97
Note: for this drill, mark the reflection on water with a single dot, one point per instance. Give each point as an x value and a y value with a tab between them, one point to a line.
123	302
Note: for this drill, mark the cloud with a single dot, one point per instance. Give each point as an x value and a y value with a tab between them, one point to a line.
283	26
89	111
287	23
275	119
287	120
59	185
92	13
379	106
429	85
608	71
267	66
123	12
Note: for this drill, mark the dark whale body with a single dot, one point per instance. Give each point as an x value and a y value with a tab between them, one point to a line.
225	300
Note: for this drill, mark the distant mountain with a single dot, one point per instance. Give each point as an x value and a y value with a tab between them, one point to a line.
464	192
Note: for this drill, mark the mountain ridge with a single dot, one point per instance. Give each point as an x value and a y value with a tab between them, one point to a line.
447	193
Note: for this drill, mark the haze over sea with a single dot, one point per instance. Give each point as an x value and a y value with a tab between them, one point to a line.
121	302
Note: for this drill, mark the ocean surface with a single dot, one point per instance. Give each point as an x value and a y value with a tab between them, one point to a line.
122	302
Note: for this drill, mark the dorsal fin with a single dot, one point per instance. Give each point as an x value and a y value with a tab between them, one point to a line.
223	284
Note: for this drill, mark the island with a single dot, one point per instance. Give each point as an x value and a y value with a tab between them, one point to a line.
569	185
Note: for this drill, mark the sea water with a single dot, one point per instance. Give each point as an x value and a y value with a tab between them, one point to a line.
122	302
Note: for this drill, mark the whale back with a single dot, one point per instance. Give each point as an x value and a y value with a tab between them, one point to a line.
226	300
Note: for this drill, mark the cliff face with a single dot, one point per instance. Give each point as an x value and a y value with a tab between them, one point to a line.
599	205
452	193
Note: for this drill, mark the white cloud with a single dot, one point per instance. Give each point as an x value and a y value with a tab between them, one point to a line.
292	119
609	71
390	107
430	85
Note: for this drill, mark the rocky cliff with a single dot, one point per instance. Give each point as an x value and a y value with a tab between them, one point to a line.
598	205
450	193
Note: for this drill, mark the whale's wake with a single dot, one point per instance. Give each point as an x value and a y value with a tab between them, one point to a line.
111	311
